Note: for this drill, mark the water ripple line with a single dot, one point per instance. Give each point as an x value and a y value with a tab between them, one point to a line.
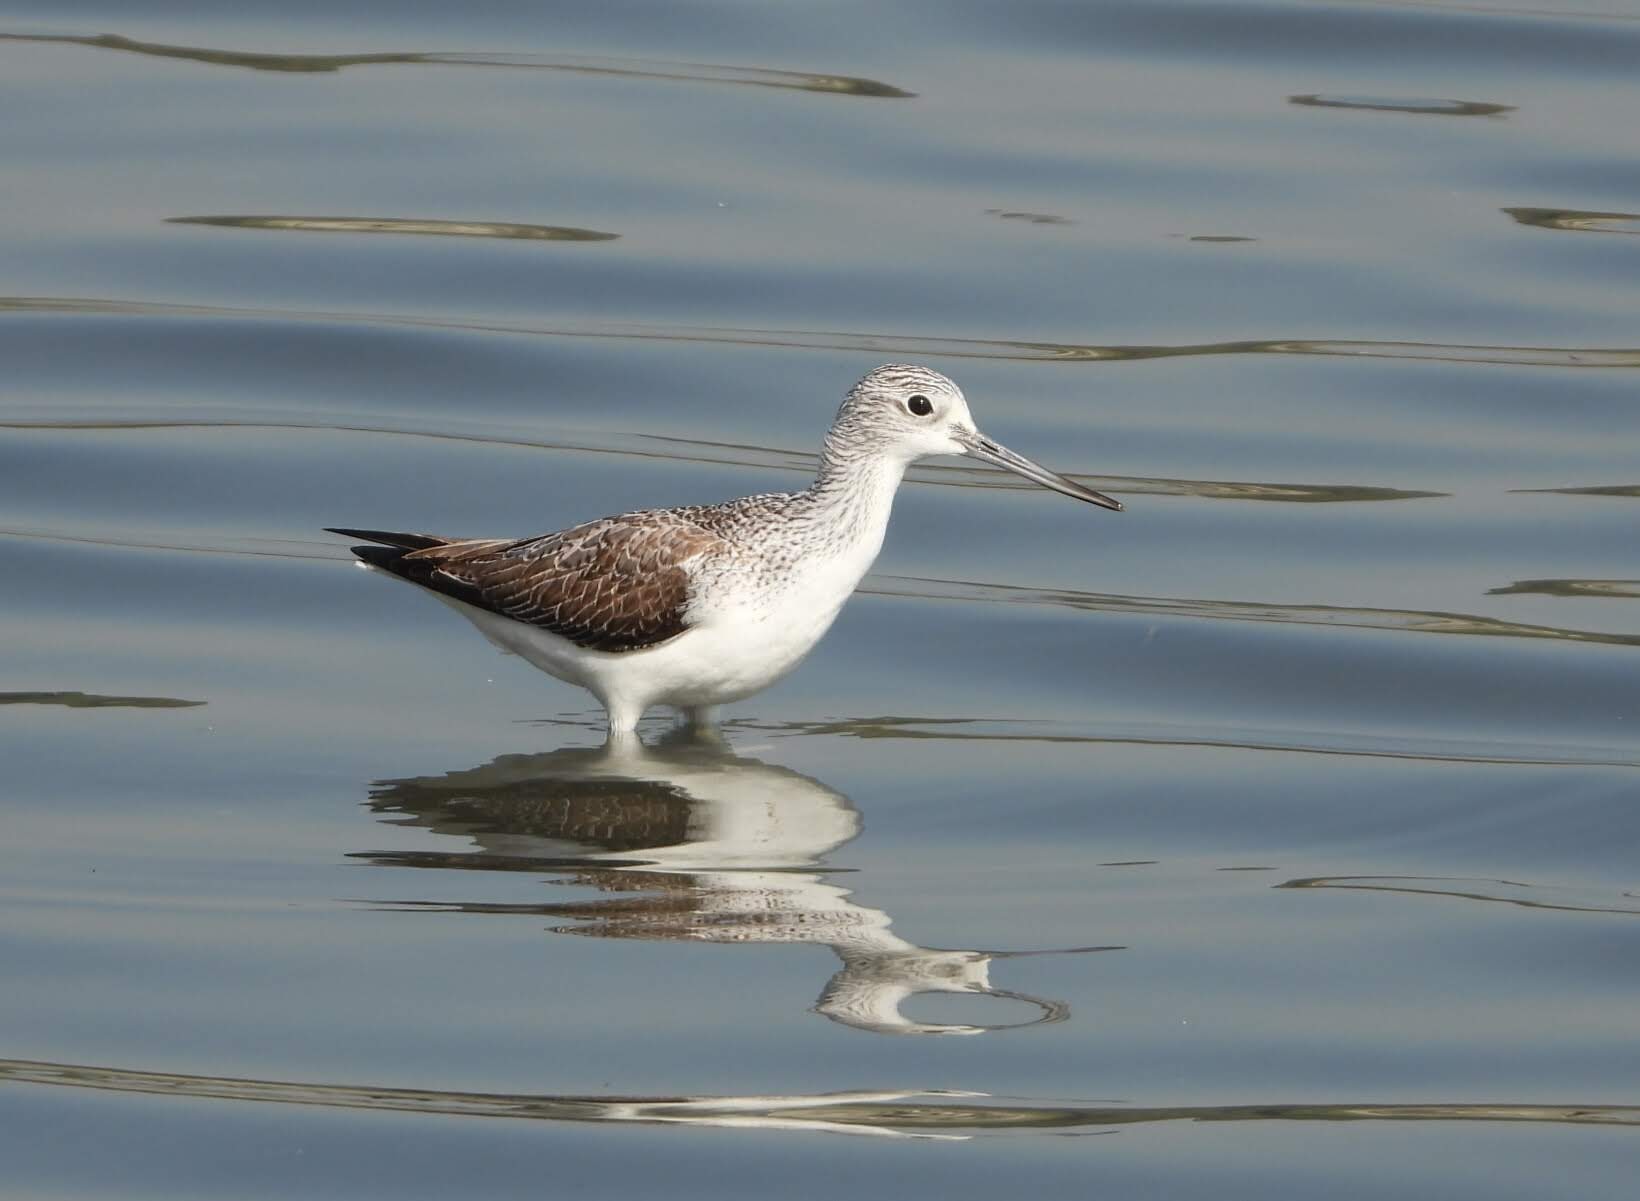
1625	491
512	230
1406	620
736	454
1216	736
886	344
1503	892
1418	106
936	1114
1604	589
1525	12
651	69
1577	220
969	591
92	700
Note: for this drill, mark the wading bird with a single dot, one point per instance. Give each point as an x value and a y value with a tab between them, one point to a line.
692	607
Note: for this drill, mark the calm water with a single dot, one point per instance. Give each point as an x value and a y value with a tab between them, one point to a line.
1280	831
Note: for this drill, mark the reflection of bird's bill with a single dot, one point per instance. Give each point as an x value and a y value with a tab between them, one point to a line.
1049	951
877	980
977	446
876	1007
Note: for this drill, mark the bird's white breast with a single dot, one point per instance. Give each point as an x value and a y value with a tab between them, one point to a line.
746	638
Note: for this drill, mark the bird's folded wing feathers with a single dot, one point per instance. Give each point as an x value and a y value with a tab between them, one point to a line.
617	584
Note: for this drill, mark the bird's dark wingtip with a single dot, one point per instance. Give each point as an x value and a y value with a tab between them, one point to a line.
389	547
385	557
389	538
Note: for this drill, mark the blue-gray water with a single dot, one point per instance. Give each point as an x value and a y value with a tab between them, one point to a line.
1314	773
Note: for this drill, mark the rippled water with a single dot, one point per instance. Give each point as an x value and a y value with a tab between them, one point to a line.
1280	830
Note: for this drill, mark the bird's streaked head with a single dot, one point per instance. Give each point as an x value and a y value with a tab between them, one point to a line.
911	412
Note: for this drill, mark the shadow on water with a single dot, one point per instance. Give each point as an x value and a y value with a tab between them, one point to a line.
689	842
311	64
926	1114
886	344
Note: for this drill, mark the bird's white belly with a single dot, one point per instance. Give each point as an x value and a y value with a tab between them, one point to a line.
734	656
733	653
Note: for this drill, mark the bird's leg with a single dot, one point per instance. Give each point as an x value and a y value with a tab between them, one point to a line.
622	742
700	717
623	721
699	725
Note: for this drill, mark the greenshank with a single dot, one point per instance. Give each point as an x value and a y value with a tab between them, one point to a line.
697	606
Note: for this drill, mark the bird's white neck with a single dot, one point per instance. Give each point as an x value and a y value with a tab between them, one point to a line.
852	497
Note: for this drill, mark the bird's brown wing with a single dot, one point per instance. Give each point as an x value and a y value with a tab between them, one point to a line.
617	584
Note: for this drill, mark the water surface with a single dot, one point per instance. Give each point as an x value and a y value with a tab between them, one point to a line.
1273	837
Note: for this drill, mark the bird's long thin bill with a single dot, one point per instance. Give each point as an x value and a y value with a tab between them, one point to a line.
987	451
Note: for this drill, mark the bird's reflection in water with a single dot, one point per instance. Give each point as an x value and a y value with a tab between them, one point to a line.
693	842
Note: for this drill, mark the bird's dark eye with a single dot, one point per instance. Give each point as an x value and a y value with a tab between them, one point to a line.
920	406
